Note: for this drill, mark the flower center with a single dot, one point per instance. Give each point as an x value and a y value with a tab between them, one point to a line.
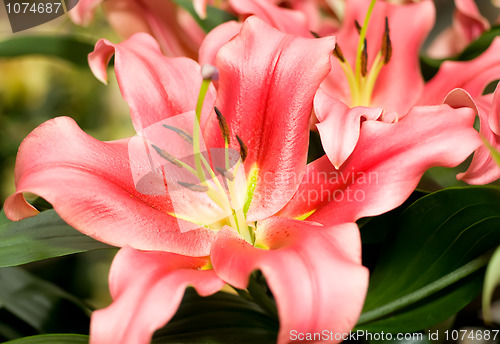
362	78
214	191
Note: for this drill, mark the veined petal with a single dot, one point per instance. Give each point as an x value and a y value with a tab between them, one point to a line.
483	168
283	19
314	272
147	288
91	187
339	126
386	165
267	83
216	39
473	76
155	87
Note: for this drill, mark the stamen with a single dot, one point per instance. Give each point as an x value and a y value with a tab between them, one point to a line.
364	59
316	35
188	138
358	27
224	128
194	187
243	148
386	43
165	155
337	52
226	173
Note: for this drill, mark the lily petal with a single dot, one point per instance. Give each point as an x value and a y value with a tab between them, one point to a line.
283	19
314	272
473	76
147	288
339	126
386	165
483	168
83	12
91	187
267	83
170	85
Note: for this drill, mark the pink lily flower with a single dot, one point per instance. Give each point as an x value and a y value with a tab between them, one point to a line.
468	25
483	168
296	222
175	29
386	74
265	91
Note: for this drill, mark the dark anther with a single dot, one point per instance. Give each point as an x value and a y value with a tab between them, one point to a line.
364	60
243	148
194	187
358	27
315	34
164	154
386	43
337	52
226	173
224	128
188	138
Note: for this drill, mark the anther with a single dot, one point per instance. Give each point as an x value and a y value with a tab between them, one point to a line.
194	187
358	27
209	72
386	43
226	173
243	148
188	138
337	52
165	155
364	59
224	128
315	34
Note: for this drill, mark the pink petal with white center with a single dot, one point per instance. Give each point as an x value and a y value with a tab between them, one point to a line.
386	165
473	76
155	87
216	39
285	20
339	126
314	272
483	168
91	187
147	288
266	88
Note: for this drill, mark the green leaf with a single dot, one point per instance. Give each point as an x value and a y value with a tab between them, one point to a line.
220	318
214	18
491	281
43	236
68	48
433	264
42	305
52	339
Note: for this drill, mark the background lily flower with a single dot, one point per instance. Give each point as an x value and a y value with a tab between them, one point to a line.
265	91
468	25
